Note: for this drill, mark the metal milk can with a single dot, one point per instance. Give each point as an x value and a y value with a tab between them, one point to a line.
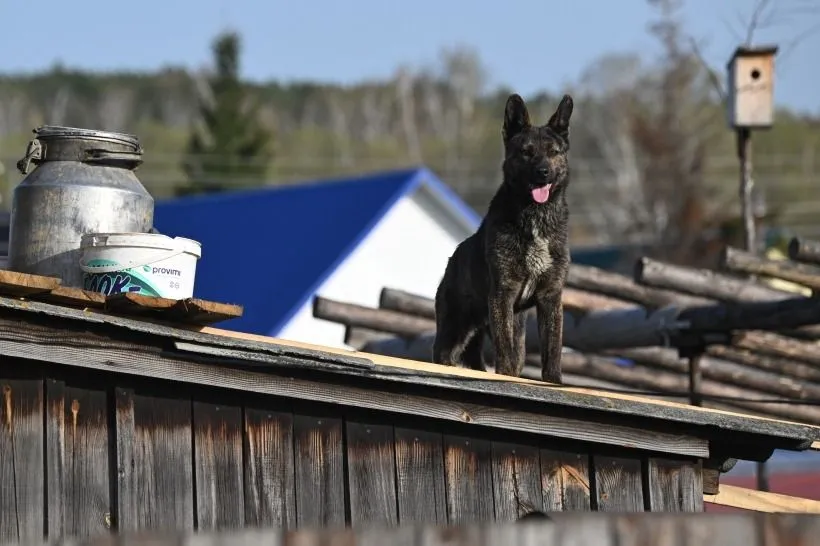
83	182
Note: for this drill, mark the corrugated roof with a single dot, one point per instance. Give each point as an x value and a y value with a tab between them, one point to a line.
270	249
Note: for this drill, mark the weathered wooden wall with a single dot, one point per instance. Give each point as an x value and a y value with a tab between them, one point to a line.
586	530
81	455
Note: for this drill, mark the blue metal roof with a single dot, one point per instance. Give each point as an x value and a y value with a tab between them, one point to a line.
270	249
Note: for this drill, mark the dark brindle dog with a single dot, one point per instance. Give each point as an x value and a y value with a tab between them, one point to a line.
518	257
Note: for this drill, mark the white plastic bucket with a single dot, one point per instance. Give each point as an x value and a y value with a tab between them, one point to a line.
149	264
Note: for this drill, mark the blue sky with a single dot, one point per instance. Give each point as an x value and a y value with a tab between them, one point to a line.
525	44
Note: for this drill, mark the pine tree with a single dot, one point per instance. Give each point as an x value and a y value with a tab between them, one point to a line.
232	149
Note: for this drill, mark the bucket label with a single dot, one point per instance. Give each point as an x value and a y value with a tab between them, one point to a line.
110	283
165	271
125	281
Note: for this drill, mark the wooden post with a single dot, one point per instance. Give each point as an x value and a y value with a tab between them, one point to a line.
744	154
762	477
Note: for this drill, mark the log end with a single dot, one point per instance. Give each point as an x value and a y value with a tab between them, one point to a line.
384	297
640	265
725	257
319	307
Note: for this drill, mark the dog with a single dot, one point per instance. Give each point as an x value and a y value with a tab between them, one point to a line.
518	258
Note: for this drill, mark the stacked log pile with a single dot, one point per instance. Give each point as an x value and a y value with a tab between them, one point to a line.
751	347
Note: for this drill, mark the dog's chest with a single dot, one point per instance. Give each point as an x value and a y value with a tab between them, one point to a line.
537	257
537	261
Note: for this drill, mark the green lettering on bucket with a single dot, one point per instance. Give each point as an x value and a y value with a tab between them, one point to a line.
118	282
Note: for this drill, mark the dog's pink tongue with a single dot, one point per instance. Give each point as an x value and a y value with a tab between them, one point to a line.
540	195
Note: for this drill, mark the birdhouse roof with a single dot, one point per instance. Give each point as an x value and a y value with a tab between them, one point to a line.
753	51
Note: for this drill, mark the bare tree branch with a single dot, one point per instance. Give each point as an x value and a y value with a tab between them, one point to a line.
711	73
731	28
755	19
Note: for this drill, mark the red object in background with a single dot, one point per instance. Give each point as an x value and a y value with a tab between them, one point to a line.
805	485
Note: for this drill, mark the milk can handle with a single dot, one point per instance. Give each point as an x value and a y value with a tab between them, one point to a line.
119	267
100	156
34	153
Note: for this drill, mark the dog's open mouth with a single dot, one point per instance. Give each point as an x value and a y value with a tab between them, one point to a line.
542	194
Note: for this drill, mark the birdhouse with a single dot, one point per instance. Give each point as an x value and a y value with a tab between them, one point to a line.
750	97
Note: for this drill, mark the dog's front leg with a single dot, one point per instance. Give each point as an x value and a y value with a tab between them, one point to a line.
507	340
551	334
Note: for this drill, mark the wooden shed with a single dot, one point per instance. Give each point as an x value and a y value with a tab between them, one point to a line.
116	423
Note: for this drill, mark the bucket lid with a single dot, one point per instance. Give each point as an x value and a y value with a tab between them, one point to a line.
143	240
57	131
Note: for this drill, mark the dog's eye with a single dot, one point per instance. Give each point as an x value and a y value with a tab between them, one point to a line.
528	151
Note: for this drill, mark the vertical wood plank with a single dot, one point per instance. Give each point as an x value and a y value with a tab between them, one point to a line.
86	461
77	472
618	484
371	474
22	481
674	486
420	477
125	503
319	470
218	466
565	481
55	458
516	481
162	479
469	479
270	490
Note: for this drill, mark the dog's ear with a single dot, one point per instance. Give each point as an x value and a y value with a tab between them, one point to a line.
559	122
516	117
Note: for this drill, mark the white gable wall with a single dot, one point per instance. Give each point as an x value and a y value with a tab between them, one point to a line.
408	249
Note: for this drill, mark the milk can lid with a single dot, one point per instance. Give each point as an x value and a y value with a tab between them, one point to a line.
56	131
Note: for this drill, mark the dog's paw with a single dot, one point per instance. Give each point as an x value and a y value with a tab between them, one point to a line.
551	376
